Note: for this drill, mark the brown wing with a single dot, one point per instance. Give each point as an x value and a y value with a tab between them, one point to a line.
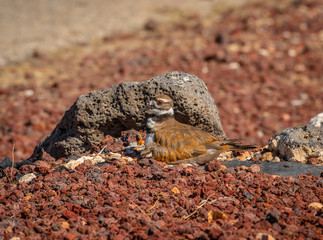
181	141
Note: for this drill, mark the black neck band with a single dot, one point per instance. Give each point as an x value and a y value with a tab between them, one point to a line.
163	117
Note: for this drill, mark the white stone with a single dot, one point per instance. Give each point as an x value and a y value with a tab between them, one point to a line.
113	156
93	159
27	178
127	159
234	65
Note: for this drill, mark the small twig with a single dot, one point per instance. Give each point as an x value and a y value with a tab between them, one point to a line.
12	162
142	211
154	205
13	155
9	175
201	205
102	150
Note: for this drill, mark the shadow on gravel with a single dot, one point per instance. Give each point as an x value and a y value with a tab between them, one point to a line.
283	169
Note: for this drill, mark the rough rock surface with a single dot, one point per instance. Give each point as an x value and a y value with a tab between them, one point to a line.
317	121
115	109
298	144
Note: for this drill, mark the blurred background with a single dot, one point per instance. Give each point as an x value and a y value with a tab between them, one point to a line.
50	25
261	60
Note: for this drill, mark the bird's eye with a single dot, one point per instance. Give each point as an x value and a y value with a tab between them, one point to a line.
159	102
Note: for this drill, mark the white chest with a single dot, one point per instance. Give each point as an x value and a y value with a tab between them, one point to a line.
149	138
150	123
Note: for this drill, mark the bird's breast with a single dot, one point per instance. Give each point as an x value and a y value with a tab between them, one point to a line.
150	123
149	138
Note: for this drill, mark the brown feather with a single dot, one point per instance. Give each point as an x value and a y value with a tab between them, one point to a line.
176	142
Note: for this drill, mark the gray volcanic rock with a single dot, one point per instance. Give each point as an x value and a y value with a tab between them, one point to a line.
115	109
298	144
317	121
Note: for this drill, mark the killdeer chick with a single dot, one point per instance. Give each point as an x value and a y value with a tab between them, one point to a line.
173	142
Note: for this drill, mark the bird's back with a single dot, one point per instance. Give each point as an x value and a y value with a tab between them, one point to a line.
180	141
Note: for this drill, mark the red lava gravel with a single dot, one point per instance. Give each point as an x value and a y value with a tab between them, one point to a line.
146	200
262	64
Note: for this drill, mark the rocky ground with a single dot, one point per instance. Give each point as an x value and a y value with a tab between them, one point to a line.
144	199
262	64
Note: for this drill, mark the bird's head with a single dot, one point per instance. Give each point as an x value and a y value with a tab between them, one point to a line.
160	105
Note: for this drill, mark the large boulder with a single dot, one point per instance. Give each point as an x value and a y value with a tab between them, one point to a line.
300	143
115	109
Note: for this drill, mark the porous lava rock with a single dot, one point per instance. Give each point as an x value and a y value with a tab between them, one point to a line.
298	144
116	109
317	121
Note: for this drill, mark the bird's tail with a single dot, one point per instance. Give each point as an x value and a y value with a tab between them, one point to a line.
215	149
234	145
231	145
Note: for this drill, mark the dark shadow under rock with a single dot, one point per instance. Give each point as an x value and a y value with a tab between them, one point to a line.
284	169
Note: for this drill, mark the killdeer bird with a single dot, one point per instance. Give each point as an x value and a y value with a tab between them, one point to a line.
173	142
